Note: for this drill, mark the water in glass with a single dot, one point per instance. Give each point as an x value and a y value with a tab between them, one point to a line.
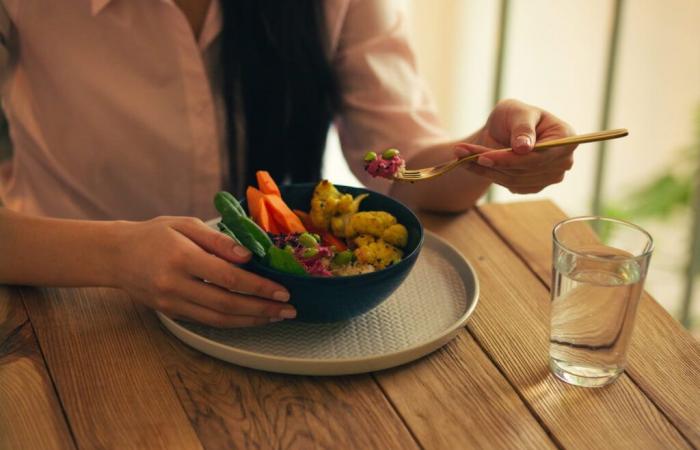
594	301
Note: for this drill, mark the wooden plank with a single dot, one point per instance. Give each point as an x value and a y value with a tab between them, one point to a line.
664	359
456	398
511	324
30	415
113	387
235	407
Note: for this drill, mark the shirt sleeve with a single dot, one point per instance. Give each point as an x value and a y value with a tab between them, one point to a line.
384	102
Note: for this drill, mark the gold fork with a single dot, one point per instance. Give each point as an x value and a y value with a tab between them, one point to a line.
412	176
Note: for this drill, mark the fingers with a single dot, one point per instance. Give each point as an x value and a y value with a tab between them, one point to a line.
522	123
212	240
519	183
558	156
230	303
521	170
193	312
463	149
219	272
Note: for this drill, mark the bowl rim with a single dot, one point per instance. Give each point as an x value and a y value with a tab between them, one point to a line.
259	265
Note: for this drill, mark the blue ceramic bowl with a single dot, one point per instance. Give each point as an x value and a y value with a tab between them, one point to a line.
331	299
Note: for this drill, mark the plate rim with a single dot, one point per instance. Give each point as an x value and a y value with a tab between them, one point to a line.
342	366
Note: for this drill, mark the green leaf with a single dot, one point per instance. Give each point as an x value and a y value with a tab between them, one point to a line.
658	199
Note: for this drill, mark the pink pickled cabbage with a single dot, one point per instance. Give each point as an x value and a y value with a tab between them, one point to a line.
385	168
317	265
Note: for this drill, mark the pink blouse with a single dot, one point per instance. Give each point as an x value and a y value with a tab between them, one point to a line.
115	109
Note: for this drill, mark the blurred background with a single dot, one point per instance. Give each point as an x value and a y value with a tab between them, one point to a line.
597	64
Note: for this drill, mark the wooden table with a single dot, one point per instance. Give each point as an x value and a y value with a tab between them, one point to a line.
87	368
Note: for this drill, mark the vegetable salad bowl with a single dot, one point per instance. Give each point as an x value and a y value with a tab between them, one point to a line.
332	299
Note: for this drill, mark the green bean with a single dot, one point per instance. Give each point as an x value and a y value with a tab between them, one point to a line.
244	236
310	252
389	154
224	229
224	200
343	258
307	240
370	156
248	233
258	233
284	262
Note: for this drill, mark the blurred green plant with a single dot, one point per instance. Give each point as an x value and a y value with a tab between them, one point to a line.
675	189
669	192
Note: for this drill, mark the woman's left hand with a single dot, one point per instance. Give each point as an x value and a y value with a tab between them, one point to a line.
518	125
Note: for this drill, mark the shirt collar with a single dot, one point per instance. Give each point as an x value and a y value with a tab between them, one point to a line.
212	25
98	5
212	22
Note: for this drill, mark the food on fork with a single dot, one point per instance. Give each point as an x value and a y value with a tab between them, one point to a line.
387	166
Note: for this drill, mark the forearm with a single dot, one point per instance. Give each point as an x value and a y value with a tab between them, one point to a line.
56	252
455	191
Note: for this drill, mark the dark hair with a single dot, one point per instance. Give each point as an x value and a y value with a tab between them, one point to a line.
279	85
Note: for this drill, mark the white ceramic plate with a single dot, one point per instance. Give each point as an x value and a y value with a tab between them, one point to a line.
422	315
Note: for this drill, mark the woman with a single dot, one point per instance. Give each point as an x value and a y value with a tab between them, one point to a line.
128	110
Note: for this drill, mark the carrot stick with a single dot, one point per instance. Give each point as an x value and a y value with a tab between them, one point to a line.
252	195
266	184
329	239
305	219
256	206
274	228
280	213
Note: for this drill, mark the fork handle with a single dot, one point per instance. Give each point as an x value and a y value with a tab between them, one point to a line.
582	138
576	139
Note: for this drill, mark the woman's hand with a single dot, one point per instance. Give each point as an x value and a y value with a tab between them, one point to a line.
518	125
162	263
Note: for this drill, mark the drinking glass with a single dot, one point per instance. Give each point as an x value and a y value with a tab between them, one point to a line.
599	266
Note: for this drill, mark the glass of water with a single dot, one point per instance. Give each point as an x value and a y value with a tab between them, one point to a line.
599	267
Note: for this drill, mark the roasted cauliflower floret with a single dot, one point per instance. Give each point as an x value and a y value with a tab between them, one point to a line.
378	253
364	239
328	205
324	204
396	235
346	204
338	224
376	223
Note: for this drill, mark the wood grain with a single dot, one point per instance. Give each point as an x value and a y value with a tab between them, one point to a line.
511	324
664	359
234	407
30	414
456	398
113	388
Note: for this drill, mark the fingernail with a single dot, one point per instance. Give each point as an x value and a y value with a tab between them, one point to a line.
523	141
281	296
484	161
241	251
461	151
288	313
